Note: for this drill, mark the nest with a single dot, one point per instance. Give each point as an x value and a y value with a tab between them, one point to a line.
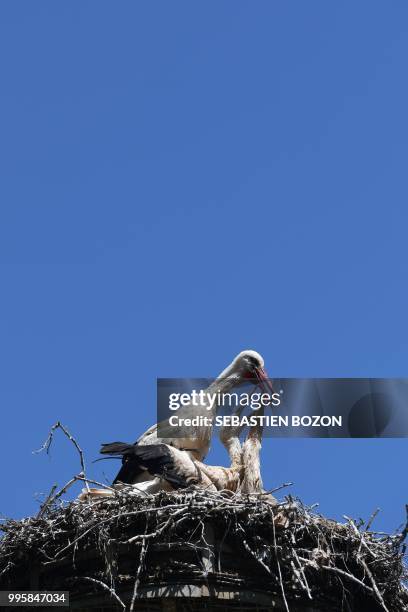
125	545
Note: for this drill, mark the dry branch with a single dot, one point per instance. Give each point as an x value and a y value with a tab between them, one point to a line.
47	445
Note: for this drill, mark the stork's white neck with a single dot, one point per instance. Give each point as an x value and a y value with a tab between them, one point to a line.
220	386
224	384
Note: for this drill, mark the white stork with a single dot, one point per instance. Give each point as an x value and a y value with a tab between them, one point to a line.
156	462
247	366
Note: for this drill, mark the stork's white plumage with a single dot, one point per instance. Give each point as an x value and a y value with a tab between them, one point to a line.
247	365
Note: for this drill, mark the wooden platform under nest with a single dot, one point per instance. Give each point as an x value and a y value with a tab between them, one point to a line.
203	551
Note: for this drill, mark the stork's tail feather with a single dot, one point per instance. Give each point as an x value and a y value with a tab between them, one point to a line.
117	448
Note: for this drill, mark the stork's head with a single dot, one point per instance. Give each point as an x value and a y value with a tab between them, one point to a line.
247	362
249	365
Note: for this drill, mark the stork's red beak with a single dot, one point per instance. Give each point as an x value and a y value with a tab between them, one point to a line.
264	381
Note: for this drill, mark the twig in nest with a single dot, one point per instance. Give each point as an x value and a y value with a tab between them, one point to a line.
282	486
364	564
371	519
46	502
373	582
360	536
337	570
277	563
302	574
139	569
404	532
222	543
107	588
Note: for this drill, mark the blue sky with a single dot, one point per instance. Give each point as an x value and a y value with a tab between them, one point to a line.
180	181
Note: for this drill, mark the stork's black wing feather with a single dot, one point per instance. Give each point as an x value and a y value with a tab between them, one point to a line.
131	469
129	472
155	458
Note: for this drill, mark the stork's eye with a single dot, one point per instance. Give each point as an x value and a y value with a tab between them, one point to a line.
253	362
